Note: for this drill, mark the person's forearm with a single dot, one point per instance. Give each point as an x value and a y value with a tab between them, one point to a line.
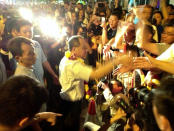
104	69
104	36
111	42
118	44
154	48
164	9
49	69
164	66
116	3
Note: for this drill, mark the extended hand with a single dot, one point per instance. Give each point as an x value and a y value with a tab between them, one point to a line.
48	116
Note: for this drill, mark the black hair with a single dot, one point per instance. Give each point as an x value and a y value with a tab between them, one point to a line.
74	42
9	24
170	6
20	23
66	2
117	12
80	4
158	12
115	81
20	97
14	45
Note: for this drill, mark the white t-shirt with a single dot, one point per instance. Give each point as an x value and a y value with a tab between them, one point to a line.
73	73
22	70
168	55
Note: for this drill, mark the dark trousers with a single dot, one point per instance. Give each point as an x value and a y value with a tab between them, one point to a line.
71	115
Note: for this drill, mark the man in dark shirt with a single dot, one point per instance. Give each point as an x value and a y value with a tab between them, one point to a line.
109	32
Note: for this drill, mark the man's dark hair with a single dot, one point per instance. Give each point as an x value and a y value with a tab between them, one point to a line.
117	12
66	2
20	97
158	12
20	23
170	5
164	99
74	42
14	45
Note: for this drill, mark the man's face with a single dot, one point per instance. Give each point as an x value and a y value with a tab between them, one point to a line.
97	21
73	16
81	51
26	31
28	57
169	9
113	21
79	6
66	6
142	13
146	13
168	35
157	17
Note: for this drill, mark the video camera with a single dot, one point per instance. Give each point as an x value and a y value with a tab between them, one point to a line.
140	100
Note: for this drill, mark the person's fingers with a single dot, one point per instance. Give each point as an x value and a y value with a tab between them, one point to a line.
53	122
148	56
57	114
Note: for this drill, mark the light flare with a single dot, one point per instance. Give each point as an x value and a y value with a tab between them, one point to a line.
26	14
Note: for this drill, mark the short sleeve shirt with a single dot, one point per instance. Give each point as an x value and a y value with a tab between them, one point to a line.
40	59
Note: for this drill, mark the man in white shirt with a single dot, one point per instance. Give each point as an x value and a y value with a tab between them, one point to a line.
73	73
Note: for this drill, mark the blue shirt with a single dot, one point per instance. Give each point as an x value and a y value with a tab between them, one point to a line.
40	59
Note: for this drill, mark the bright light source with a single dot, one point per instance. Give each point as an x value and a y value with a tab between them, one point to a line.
26	14
51	28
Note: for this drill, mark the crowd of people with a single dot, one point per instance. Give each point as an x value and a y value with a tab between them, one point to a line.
122	58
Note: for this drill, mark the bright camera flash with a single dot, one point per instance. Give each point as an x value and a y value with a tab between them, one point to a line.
26	14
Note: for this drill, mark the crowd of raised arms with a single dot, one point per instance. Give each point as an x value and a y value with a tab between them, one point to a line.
115	58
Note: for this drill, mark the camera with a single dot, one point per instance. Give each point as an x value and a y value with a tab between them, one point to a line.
140	100
127	109
101	5
140	96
